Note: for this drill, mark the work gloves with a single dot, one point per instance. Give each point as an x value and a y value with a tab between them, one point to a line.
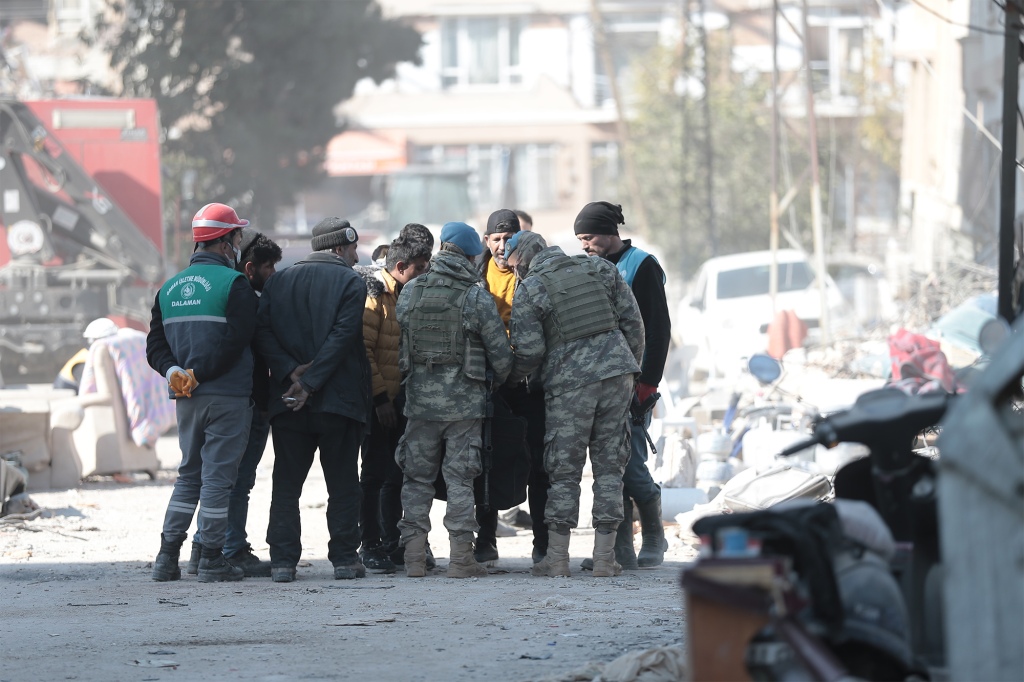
644	391
181	381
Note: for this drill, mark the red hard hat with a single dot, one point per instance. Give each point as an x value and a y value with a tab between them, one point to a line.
215	220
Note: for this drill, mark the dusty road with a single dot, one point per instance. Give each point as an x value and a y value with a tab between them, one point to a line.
77	603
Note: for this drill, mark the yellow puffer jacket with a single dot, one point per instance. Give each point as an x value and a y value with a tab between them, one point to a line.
381	332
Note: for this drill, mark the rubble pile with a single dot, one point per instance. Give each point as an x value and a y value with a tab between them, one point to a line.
930	296
934	294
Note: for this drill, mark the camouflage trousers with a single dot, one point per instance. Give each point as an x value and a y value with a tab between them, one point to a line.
594	416
420	455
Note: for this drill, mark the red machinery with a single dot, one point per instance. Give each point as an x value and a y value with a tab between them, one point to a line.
80	225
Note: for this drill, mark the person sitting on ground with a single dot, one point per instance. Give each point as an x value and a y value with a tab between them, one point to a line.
149	409
70	375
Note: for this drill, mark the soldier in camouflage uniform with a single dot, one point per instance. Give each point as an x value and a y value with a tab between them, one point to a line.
451	333
576	319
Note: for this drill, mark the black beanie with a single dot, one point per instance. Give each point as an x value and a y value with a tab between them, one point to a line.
331	232
599	217
502	220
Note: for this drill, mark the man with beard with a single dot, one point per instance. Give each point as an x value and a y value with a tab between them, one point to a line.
597	229
576	321
260	256
525	399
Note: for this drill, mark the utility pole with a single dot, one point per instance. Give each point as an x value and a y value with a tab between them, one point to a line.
773	210
709	175
1008	180
812	131
684	125
601	41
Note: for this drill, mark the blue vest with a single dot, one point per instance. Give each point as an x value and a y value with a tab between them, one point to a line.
630	262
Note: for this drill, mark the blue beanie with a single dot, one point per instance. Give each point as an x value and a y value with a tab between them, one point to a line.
462	236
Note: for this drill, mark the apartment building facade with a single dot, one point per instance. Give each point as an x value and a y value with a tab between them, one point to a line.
513	94
952	142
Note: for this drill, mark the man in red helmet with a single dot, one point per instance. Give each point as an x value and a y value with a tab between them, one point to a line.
199	338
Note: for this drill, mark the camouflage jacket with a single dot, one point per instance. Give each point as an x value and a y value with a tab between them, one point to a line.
444	392
583	361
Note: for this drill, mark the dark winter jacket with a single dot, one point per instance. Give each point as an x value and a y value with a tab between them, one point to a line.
312	312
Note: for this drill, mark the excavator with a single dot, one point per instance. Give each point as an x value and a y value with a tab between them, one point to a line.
69	253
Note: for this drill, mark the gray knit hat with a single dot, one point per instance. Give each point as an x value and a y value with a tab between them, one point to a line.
332	232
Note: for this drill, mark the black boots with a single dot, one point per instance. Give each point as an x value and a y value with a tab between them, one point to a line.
165	567
652	552
193	559
376	559
486	552
214	568
252	566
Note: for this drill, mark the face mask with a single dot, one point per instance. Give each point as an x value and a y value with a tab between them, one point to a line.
238	254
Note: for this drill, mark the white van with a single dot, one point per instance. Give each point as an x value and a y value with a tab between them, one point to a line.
729	308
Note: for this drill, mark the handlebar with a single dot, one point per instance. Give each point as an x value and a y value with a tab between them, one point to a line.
885	420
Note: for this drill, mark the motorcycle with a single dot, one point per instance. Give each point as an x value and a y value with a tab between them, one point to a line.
871	599
756	423
857	587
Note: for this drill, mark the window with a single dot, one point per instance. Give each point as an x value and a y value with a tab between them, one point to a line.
849	60
535	176
71	15
604	171
836	53
480	51
517	176
818	55
630	37
753	281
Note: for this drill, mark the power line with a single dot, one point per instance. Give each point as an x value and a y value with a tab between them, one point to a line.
973	27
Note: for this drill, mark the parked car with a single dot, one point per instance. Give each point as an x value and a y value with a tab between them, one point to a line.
727	313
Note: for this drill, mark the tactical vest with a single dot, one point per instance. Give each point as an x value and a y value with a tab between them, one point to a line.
199	291
435	335
579	300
